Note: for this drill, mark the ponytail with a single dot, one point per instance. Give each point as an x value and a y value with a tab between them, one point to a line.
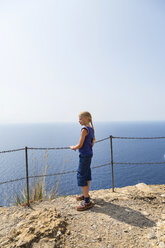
94	139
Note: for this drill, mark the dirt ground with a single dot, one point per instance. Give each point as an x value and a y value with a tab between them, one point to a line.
130	217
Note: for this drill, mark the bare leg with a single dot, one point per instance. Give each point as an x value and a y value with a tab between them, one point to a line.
88	185
85	190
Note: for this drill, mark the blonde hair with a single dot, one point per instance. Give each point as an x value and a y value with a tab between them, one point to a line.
89	116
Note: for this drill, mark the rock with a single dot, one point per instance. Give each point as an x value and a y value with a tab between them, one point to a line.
38	224
151	236
59	233
110	246
145	213
162	245
163	217
99	239
143	187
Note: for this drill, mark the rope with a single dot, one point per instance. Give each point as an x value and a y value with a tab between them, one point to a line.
129	163
50	148
67	147
60	148
15	150
102	140
138	137
98	166
14	180
49	175
73	171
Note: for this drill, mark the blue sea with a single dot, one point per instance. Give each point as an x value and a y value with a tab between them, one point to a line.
12	165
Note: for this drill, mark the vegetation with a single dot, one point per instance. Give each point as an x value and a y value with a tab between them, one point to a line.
37	189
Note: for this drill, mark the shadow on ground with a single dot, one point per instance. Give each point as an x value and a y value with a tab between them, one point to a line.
121	213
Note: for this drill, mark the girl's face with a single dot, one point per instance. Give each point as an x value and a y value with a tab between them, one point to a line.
83	120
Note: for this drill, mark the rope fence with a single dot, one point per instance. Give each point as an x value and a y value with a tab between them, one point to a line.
74	171
53	174
138	137
15	150
132	163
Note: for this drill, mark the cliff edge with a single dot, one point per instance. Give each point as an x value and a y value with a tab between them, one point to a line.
130	217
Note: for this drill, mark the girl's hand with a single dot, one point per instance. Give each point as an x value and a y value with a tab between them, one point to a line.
73	148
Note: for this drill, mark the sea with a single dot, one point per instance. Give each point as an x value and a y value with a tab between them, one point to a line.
61	164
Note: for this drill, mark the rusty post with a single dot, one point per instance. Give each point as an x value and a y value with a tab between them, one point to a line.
27	176
112	163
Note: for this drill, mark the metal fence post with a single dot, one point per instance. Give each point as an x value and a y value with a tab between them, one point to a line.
112	163
27	176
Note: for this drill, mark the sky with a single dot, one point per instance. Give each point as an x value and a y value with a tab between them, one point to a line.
61	57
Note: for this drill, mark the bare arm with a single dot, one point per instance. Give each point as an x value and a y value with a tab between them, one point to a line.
84	133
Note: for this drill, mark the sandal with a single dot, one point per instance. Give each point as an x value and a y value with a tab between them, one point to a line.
84	206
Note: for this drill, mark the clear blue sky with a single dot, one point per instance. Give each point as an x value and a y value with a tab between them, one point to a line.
60	57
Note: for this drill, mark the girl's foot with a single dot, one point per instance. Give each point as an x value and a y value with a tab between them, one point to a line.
84	206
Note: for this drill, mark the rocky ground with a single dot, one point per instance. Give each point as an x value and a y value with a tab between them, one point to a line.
131	217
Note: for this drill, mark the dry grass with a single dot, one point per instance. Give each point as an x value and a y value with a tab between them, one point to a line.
37	190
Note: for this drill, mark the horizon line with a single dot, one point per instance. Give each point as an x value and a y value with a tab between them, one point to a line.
76	122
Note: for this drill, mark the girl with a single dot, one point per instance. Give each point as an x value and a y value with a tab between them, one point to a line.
85	145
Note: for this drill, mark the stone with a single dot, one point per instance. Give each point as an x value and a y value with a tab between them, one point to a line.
99	239
151	236
145	213
59	233
162	245
143	187
163	217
